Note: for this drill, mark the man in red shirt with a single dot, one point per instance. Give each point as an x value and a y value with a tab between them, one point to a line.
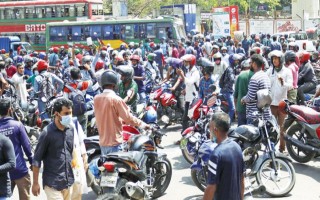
10	68
175	52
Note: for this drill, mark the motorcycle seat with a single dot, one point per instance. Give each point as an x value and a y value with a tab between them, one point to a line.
309	114
132	156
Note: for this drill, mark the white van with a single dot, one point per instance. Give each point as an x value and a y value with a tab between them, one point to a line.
300	38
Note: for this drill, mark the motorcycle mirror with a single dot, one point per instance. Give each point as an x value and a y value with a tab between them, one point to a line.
165	119
212	87
44	100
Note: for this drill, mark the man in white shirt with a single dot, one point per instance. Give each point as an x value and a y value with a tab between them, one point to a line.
19	80
281	82
191	80
219	66
207	48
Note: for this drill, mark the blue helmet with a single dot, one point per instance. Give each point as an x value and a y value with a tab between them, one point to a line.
150	116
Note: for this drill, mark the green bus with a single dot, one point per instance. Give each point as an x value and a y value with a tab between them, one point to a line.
28	19
113	32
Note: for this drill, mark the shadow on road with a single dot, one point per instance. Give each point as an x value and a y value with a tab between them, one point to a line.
179	163
308	170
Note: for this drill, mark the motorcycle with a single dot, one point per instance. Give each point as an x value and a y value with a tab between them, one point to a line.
140	173
303	136
166	104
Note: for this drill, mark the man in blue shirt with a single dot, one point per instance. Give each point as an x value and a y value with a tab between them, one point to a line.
226	165
139	77
16	132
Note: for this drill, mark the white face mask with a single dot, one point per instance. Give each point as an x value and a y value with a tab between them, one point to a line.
36	73
66	120
187	66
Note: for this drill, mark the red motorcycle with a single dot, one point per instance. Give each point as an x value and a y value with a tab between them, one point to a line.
166	104
303	137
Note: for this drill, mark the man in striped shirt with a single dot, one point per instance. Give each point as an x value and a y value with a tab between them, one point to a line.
258	81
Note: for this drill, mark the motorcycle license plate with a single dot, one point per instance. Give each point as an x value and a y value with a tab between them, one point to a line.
109	180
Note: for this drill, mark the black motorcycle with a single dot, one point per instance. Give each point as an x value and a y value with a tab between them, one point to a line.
140	173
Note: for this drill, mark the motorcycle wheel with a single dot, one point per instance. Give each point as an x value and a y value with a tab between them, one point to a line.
199	178
276	185
294	151
162	186
189	158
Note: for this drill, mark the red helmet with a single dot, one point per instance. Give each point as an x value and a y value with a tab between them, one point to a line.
3	51
55	49
282	107
42	65
99	65
189	58
135	57
152	44
255	50
304	57
104	48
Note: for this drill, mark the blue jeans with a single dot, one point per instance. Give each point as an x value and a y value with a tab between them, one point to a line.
230	100
242	119
107	150
142	97
42	108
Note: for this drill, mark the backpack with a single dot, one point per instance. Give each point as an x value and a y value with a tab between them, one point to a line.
79	102
46	88
53	59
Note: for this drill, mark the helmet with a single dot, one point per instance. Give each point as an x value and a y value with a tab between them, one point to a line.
103	53
86	59
263	98
28	59
222	48
277	53
76	51
236	57
208	38
217	56
205	62
109	77
215	47
126	71
304	57
42	55
255	50
289	56
8	61
99	65
3	51
18	59
105	48
135	57
131	44
62	47
189	58
55	49
151	57
207	70
282	107
150	116
152	44
114	53
246	63
266	50
42	65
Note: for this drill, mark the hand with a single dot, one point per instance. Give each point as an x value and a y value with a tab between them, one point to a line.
25	77
172	89
35	189
214	93
243	102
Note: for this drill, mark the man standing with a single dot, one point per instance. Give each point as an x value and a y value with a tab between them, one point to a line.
241	89
281	83
245	44
207	48
110	110
191	80
275	45
258	81
159	59
55	150
226	165
139	76
16	132
19	80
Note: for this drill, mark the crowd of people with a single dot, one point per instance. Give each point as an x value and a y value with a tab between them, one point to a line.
117	79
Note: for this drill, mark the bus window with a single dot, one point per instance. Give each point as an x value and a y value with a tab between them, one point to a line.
107	32
97	9
136	31
8	14
117	32
142	29
80	11
151	32
40	38
58	33
77	33
94	31
161	32
129	31
30	13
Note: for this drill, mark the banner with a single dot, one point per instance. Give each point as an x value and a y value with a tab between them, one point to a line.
225	20
287	25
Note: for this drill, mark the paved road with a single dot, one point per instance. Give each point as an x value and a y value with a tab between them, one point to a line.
182	187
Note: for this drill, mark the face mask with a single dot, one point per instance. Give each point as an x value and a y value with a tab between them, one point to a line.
36	73
188	67
66	120
224	54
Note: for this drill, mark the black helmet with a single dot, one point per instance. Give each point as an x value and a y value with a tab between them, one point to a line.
207	70
266	50
289	56
205	62
28	59
126	71
109	77
103	53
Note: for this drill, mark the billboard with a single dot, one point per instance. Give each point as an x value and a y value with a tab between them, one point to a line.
263	26
225	20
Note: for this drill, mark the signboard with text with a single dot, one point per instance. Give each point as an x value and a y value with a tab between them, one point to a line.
225	20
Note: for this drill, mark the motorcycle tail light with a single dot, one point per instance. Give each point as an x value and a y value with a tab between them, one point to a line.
39	122
318	132
109	166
